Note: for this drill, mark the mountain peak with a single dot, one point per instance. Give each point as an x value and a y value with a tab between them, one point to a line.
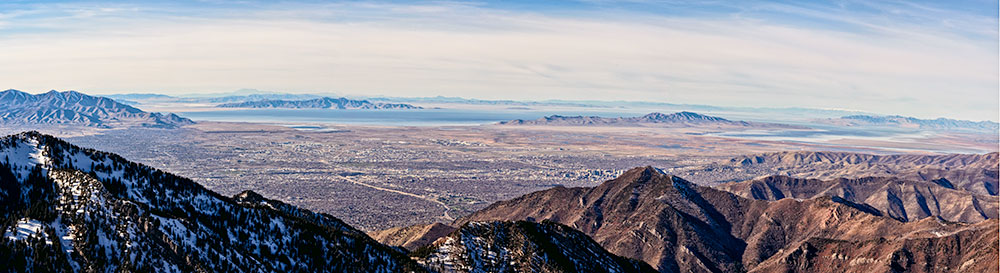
655	115
14	97
643	173
30	135
248	196
72	107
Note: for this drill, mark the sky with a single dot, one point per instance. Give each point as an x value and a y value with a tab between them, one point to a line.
916	58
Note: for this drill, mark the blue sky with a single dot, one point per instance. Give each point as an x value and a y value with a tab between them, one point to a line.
920	58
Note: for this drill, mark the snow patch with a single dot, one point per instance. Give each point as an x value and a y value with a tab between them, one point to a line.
26	152
66	237
24	228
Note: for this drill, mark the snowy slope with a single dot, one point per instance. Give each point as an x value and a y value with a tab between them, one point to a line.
64	208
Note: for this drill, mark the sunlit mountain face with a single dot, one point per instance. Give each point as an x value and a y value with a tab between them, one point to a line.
75	108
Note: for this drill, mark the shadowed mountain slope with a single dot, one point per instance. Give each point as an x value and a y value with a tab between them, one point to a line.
904	200
677	226
972	248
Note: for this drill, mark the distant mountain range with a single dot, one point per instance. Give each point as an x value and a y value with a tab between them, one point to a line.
261	97
973	173
244	95
846	117
324	103
679	119
619	104
71	107
460	100
159	98
904	200
911	122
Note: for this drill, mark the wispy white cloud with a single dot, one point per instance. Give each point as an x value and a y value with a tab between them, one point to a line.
748	58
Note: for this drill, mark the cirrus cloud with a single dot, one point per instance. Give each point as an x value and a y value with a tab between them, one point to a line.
900	58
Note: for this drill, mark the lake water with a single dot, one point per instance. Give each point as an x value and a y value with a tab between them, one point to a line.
414	117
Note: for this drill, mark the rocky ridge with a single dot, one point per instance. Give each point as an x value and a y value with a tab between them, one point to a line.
677	226
71	107
904	200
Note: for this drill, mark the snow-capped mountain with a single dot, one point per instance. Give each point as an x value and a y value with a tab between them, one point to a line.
71	107
65	208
